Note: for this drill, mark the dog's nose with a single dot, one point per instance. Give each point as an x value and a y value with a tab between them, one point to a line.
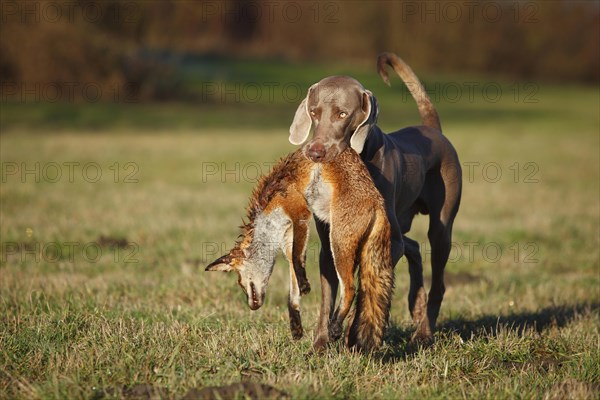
316	152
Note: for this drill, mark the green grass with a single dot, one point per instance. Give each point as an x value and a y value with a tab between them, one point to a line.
521	324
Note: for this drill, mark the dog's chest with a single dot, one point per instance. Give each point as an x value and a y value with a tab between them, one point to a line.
319	194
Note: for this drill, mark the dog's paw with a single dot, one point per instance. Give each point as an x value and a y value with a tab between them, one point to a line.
421	339
335	330
318	347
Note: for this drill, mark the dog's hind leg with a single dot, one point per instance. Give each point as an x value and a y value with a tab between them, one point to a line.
443	209
440	237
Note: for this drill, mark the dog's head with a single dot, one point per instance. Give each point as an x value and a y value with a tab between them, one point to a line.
342	112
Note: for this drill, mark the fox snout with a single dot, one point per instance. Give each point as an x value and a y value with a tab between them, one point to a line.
255	299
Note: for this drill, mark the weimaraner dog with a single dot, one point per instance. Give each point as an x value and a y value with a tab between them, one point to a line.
416	169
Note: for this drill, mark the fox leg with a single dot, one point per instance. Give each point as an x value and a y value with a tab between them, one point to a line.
299	255
294	296
344	252
347	294
351	317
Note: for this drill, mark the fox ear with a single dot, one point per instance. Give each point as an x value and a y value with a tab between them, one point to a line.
222	263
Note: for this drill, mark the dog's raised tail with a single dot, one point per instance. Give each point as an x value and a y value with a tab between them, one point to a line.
376	284
428	113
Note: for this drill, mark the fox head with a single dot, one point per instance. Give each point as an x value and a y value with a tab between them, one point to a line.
253	255
253	275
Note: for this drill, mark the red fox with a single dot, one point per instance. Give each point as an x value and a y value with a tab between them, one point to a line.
341	194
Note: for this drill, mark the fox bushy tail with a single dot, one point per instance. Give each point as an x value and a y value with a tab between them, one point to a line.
428	113
376	284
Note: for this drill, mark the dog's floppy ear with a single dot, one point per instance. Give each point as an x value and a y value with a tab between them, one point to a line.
371	110
300	127
222	263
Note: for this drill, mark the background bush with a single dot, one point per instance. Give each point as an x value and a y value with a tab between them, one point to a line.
113	43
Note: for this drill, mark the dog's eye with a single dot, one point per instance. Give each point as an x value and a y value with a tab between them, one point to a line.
343	114
313	113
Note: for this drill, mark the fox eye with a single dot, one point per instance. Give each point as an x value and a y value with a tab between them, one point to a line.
343	114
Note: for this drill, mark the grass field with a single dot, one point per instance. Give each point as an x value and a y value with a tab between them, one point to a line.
103	290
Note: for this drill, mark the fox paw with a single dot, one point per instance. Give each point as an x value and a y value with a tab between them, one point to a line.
304	287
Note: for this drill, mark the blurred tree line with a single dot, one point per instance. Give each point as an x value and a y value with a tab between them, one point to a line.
115	42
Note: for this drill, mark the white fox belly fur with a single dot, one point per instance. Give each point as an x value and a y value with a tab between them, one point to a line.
318	195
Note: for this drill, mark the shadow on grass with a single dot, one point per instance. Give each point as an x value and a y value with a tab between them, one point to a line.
241	390
487	326
552	316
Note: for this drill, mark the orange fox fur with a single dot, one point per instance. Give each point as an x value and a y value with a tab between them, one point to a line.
342	194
